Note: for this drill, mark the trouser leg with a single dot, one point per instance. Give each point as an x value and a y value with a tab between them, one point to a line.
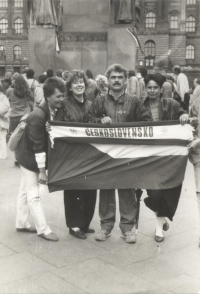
22	206
79	207
128	209
34	201
197	182
3	147
90	201
107	209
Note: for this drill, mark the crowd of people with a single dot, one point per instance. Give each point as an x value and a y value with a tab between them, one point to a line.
117	96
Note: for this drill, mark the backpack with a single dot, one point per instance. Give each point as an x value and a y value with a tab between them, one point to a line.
17	134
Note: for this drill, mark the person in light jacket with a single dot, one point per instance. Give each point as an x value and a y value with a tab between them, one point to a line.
4	122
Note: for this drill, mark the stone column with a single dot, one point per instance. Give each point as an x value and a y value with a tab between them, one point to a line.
142	15
10	26
165	10
25	13
183	15
133	12
198	16
159	7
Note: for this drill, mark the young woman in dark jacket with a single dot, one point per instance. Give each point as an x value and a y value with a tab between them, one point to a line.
163	202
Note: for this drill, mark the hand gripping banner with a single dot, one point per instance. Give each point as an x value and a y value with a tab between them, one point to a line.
146	155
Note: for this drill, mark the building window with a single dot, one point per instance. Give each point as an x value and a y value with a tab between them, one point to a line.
2	53
191	2
190	24
150	20
174	22
3	26
190	52
18	25
3	3
17	52
150	52
18	3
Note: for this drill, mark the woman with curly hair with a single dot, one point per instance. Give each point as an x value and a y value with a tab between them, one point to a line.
79	204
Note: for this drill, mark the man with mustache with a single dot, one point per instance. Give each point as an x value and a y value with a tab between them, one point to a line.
117	107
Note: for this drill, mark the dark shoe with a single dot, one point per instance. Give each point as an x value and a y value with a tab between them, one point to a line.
50	237
89	231
26	230
165	226
78	234
159	239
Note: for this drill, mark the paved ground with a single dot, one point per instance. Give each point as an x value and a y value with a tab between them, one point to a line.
29	264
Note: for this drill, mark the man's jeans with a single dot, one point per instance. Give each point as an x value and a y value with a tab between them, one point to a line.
29	199
127	208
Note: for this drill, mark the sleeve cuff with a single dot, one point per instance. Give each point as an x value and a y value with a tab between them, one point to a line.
40	159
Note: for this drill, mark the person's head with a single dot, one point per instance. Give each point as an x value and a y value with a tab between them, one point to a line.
25	70
76	83
59	73
117	77
170	78
14	76
8	75
196	82
177	70
65	74
6	84
42	78
143	71
131	73
54	91
89	74
102	83
30	74
154	83
49	73
21	88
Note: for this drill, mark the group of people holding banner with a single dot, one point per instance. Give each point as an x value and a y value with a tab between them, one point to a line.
68	102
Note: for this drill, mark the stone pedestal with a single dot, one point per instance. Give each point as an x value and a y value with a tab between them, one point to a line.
42	49
121	48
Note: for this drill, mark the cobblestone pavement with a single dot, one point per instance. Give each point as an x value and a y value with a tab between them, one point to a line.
29	264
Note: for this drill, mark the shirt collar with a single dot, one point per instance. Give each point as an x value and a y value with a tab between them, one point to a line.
120	99
52	112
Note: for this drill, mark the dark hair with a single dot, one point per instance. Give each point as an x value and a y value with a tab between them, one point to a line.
74	75
30	73
65	74
116	68
158	78
197	81
177	69
89	74
59	73
170	78
49	73
42	78
143	71
21	88
131	73
51	84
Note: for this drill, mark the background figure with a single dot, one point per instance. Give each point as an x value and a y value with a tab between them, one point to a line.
91	89
133	84
39	94
167	90
42	12
65	75
194	148
49	73
196	92
182	87
4	122
102	84
59	73
143	93
79	204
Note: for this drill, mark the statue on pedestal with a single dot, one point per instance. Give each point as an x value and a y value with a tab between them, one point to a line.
125	11
43	13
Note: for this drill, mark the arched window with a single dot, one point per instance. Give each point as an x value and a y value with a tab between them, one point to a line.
18	3
150	52
17	52
3	26
18	26
3	3
150	20
191	2
190	52
174	22
2	52
190	24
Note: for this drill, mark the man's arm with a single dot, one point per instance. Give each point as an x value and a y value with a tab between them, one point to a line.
140	112
96	112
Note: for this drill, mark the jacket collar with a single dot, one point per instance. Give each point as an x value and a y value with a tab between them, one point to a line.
120	99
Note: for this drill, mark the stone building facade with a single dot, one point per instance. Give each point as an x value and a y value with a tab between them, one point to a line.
13	35
92	34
